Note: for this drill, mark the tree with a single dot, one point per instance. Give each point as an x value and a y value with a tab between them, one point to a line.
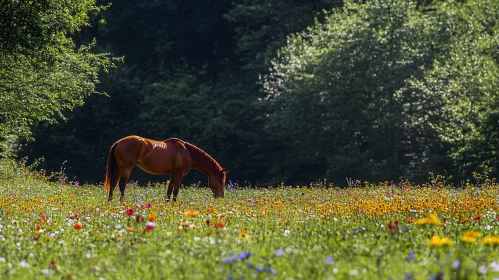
333	89
42	71
458	96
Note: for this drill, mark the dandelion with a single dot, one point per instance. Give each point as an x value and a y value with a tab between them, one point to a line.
470	236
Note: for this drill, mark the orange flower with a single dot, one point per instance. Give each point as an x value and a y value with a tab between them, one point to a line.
410	221
219	224
478	217
152	218
78	226
191	213
130	228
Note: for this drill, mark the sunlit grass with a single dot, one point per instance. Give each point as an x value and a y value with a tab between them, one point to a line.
63	229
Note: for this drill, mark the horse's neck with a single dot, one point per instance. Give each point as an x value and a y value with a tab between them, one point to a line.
202	161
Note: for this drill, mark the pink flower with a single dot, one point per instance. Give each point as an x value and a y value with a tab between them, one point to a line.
148	205
130	211
44	218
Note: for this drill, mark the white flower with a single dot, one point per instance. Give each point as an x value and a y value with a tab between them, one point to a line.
494	266
24	263
287	232
482	270
2	259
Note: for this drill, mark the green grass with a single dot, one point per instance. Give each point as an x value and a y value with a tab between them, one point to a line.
290	232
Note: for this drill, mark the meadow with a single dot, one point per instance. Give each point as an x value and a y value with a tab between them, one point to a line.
52	228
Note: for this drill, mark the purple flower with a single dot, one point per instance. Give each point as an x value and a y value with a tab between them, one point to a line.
411	256
148	205
243	255
329	260
456	264
279	252
272	271
259	268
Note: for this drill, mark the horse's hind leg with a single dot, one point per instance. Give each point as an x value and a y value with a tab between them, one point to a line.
111	188
176	185
125	175
170	188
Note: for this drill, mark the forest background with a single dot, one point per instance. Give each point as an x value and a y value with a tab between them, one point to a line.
275	90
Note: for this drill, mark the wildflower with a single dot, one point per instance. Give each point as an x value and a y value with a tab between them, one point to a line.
438	241
243	255
482	270
456	264
78	226
151	218
243	235
259	268
24	263
494	266
279	252
438	276
219	224
139	218
43	217
410	221
470	236
130	211
329	260
411	256
191	213
272	271
431	220
478	217
130	228
150	226
148	205
491	240
74	216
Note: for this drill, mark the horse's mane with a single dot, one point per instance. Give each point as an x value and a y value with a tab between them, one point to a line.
202	157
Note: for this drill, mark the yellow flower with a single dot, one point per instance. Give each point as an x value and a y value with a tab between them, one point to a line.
191	213
243	235
431	220
438	241
471	233
468	239
491	240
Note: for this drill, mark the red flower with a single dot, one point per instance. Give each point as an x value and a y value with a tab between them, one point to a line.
478	217
219	224
130	211
148	205
78	226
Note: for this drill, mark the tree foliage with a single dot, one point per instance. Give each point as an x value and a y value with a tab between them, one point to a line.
42	71
341	81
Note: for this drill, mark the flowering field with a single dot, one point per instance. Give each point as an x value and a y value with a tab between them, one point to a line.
398	231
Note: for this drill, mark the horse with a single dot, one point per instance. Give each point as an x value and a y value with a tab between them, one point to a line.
172	156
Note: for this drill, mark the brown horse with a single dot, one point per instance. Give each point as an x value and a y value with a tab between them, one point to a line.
172	156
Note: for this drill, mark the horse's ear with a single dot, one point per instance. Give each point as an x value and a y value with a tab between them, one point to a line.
225	171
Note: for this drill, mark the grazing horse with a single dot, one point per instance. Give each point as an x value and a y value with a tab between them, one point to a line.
172	156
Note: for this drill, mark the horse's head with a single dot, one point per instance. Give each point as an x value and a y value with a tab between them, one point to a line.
217	183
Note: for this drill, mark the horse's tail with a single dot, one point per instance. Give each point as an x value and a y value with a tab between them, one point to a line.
110	181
